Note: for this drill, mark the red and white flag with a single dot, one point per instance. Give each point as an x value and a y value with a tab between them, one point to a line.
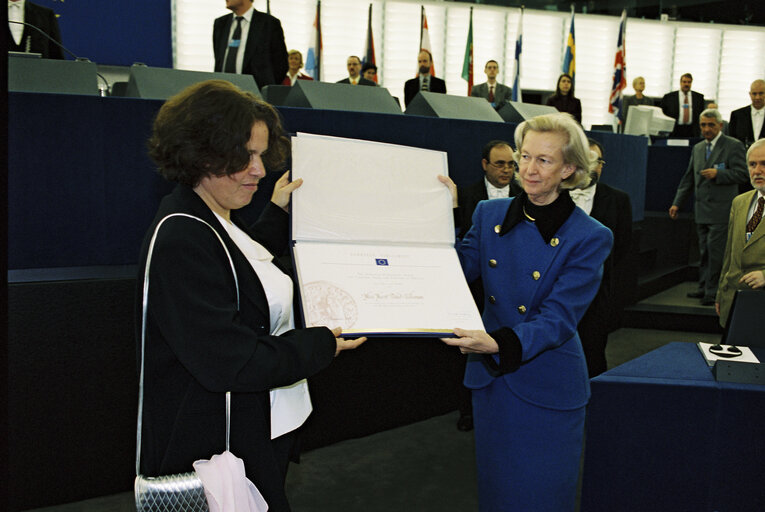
425	41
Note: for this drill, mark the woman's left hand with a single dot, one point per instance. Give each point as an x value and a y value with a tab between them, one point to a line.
282	190
473	342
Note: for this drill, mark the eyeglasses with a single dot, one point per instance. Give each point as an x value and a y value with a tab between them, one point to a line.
601	161
501	164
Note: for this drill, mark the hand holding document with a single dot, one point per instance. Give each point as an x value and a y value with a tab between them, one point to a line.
373	235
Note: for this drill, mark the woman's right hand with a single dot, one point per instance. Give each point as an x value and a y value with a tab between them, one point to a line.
448	183
343	344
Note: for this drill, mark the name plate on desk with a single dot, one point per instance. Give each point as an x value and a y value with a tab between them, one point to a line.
373	240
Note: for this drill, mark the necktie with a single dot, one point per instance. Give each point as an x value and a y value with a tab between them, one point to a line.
757	217
233	47
709	149
491	94
686	109
425	86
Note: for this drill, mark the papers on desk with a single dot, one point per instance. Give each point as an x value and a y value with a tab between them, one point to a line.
726	353
373	235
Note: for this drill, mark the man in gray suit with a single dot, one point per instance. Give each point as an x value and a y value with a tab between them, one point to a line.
494	92
717	167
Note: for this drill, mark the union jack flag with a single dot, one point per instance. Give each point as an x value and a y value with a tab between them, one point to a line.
620	69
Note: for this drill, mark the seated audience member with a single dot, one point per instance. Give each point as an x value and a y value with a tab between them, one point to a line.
369	71
424	81
716	169
746	123
27	39
684	106
638	99
564	99
295	61
354	73
613	209
744	262
494	92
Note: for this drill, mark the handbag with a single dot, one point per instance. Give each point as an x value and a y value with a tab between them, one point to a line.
182	492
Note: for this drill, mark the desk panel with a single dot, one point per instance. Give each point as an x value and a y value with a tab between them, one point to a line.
662	434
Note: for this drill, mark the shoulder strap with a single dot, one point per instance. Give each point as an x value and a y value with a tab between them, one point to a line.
143	330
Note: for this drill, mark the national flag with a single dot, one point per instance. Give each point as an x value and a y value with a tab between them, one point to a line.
313	59
620	69
569	60
369	50
467	64
516	95
425	41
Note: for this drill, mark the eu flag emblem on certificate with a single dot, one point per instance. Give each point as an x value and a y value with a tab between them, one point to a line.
381	262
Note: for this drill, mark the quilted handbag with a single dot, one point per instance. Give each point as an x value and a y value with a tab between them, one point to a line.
181	492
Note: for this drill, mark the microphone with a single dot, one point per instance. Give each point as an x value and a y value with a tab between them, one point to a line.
76	58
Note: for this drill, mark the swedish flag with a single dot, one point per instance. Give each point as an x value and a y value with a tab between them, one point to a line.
569	60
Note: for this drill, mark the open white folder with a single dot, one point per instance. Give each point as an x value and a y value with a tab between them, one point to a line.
373	235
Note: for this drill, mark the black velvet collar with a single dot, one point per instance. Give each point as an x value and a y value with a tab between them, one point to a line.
549	218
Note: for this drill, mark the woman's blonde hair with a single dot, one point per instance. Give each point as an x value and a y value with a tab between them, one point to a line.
576	150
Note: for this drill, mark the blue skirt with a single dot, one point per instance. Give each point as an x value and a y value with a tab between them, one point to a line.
527	456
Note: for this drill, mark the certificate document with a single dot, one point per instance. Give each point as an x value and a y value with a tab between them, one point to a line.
373	240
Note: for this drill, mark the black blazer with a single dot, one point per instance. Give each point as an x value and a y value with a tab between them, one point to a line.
412	87
362	81
469	197
670	105
612	208
265	56
567	103
44	19
199	346
740	126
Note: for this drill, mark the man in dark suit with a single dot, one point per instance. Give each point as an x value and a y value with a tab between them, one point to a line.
255	48
684	106
424	81
26	39
494	92
612	208
745	120
498	181
354	73
716	169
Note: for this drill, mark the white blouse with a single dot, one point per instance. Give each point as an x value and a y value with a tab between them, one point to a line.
290	405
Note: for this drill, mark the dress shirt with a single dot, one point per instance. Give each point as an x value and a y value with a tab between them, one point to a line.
584	198
293	79
247	19
354	81
753	206
290	405
422	77
714	141
495	193
16	13
757	118
681	100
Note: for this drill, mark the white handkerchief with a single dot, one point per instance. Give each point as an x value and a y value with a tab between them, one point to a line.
227	487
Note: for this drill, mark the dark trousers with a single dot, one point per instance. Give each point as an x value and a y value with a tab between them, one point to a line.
712	239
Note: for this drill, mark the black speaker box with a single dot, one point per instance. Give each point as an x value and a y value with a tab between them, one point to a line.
433	104
161	83
47	75
276	94
346	97
517	112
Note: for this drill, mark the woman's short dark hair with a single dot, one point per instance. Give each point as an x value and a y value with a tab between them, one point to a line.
204	130
557	86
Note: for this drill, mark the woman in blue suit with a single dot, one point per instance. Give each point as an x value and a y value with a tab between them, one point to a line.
540	258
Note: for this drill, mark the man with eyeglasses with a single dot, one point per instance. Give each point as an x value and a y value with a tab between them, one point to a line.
612	208
498	181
